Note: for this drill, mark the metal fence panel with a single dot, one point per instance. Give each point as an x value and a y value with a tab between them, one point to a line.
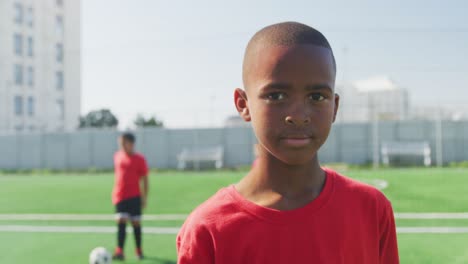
347	142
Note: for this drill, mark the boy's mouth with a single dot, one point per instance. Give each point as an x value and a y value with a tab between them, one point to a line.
297	140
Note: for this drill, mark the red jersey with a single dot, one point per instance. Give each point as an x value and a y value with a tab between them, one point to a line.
349	222
128	171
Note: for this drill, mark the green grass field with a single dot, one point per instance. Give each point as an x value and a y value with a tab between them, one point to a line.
410	190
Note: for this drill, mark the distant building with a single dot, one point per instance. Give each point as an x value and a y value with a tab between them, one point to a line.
455	113
378	97
39	65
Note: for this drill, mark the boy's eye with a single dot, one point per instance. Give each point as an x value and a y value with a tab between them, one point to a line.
317	97
276	96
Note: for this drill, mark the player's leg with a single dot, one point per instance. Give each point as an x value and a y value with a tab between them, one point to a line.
121	235
122	217
136	223
135	217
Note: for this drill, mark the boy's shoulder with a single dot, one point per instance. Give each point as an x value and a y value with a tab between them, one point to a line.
214	212
352	189
220	202
139	155
118	155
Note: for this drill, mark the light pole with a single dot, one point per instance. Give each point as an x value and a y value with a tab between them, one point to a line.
212	101
8	105
373	117
438	138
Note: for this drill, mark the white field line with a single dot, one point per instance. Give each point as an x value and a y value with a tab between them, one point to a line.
377	183
84	217
175	217
431	215
81	229
432	230
175	230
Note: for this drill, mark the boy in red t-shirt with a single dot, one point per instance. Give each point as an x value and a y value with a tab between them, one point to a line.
130	171
288	209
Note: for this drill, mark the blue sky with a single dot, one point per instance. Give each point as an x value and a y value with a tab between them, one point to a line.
171	58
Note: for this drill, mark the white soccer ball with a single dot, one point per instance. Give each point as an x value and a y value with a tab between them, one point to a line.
100	255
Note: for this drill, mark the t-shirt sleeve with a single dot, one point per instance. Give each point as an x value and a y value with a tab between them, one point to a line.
115	159
194	245
388	247
143	167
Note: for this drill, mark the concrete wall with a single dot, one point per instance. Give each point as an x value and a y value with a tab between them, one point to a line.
350	143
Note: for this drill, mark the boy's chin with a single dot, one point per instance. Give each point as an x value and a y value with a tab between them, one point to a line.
297	159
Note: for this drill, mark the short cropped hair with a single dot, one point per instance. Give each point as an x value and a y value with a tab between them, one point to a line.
128	137
285	33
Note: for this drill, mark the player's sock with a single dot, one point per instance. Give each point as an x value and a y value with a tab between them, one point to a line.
139	254
139	251
118	254
118	251
122	232
137	233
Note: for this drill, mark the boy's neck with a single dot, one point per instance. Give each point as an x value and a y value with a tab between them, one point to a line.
274	184
129	153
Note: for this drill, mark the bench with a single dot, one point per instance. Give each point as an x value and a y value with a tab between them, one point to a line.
199	155
406	149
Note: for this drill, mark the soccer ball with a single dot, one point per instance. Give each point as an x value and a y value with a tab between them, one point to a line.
100	255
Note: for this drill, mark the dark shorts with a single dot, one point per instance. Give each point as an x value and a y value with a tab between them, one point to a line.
129	208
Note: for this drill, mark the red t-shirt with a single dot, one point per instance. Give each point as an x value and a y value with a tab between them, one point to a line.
128	171
349	222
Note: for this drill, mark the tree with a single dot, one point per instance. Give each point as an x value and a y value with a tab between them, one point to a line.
99	119
140	121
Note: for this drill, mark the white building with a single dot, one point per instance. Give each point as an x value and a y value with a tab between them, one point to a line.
40	79
378	97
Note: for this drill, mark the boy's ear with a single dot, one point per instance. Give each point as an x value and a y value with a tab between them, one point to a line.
337	104
240	100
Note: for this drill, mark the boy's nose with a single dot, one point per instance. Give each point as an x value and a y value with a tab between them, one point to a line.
297	120
298	113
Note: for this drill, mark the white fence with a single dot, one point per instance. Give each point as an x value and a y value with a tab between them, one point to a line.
350	143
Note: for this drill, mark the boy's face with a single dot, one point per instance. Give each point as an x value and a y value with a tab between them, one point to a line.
290	100
126	145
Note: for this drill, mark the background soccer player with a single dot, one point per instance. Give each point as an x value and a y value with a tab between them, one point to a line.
129	199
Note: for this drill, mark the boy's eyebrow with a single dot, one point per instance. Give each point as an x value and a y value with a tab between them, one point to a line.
286	86
277	86
321	86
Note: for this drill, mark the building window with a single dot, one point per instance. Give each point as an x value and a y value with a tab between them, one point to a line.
30	47
18	105
60	109
18	13
59	25
59	52
59	80
18	44
18	74
30	17
31	105
30	76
